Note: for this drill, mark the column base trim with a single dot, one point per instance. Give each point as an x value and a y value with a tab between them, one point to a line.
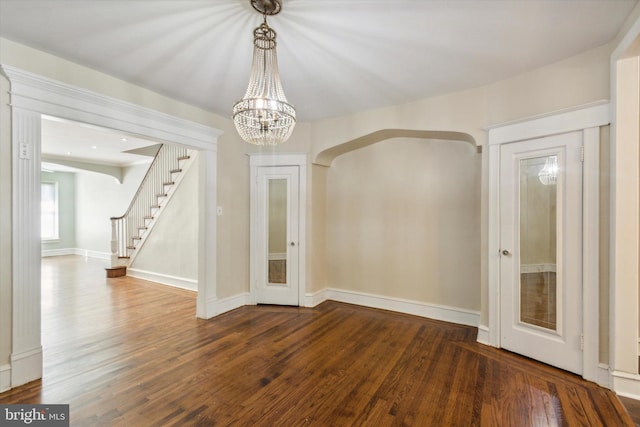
5	378
26	366
625	384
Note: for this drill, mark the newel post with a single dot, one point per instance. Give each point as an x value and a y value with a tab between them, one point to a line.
114	243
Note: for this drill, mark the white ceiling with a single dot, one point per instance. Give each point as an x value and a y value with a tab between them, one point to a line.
66	141
336	56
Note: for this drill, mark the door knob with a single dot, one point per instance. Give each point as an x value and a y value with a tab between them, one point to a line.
292	244
506	252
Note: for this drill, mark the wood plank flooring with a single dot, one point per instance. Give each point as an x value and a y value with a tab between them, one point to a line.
125	352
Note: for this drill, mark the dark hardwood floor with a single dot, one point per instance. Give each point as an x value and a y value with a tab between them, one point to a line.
125	352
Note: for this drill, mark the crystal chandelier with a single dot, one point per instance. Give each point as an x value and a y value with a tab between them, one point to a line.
548	175
263	116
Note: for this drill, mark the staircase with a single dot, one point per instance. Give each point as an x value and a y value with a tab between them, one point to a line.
129	231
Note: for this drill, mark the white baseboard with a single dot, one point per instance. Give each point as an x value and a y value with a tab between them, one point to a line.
165	279
604	376
214	306
313	299
206	307
94	254
231	303
483	334
5	377
26	366
58	252
76	251
625	384
416	308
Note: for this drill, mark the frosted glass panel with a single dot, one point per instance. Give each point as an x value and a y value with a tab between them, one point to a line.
277	231
538	294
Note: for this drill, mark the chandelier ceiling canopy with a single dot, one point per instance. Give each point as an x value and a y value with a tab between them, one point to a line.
263	116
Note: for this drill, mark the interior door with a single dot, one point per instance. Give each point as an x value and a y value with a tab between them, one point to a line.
541	249
277	235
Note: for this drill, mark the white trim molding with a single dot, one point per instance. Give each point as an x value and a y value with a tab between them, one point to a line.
53	98
76	251
483	334
5	377
315	298
626	384
417	308
94	254
224	305
257	160
587	119
34	96
563	121
624	309
58	252
26	366
164	279
604	375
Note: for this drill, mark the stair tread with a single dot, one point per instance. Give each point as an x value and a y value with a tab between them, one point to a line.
135	241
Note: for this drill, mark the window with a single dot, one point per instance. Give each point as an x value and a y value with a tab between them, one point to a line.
49	207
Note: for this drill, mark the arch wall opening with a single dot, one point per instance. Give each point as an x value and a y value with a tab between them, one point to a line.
400	223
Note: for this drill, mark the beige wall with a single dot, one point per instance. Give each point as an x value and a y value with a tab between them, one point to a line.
402	221
233	169
571	82
317	277
172	246
574	81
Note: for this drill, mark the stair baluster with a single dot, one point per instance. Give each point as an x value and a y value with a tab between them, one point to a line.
128	230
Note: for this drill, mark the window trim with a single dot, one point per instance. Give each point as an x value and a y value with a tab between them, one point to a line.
56	234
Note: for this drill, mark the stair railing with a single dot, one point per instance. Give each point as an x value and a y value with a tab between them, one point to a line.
128	230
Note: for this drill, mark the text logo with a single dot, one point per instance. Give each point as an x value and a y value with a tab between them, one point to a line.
34	415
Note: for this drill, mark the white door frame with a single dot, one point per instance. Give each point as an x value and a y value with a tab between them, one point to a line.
558	346
587	119
257	160
33	96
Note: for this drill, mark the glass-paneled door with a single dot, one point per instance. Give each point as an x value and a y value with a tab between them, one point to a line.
277	231
541	249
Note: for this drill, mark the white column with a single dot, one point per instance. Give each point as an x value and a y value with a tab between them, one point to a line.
26	354
625	214
207	220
